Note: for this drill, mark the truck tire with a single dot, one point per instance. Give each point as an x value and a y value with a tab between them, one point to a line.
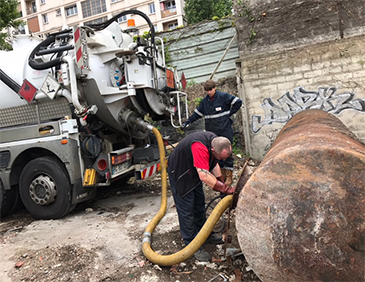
9	200
45	188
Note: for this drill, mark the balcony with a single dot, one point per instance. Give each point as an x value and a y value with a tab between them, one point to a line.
168	13
30	7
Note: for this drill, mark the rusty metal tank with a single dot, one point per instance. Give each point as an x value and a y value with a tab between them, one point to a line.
301	214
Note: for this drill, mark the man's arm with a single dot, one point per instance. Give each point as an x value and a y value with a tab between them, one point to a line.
201	163
236	104
210	178
198	113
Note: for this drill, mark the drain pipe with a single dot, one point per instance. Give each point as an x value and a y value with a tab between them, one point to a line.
199	240
74	91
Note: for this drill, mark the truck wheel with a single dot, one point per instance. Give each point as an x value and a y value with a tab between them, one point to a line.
9	200
45	188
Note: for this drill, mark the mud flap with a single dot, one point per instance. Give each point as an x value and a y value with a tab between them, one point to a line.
81	194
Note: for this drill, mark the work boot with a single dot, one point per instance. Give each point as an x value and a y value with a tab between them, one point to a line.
228	177
202	255
214	238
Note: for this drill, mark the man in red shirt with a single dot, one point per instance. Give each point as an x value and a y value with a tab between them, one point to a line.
217	108
192	162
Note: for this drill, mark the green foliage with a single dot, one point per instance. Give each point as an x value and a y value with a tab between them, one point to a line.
198	100
3	44
149	119
180	131
167	56
191	82
145	35
8	15
247	13
238	151
252	35
199	10
222	8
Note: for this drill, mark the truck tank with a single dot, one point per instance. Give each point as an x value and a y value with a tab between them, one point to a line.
14	64
112	74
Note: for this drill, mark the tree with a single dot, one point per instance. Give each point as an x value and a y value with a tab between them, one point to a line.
199	10
8	17
222	8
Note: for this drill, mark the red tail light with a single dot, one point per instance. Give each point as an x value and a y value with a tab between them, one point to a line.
121	158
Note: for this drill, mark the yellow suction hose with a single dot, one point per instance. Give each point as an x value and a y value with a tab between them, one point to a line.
189	250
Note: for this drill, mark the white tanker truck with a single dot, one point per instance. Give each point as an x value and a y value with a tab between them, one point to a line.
72	113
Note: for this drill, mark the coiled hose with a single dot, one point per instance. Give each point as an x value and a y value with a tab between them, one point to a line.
189	250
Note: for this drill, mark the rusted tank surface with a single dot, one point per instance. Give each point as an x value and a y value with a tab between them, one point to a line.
301	214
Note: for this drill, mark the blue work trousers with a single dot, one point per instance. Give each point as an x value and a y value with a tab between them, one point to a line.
191	211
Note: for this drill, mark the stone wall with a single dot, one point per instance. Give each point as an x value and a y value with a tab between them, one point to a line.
297	55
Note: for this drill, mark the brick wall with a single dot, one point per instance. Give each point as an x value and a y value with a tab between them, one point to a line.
302	69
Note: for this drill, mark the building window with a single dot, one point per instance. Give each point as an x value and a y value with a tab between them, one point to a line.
152	8
113	1
93	7
70	11
43	2
172	25
122	19
21	29
155	27
97	21
170	5
45	18
34	7
58	12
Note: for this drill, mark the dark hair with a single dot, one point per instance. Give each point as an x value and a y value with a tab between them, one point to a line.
209	85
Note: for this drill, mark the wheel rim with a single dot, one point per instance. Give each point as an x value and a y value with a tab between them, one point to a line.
43	190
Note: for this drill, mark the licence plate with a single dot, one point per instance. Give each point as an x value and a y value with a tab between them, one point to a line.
118	169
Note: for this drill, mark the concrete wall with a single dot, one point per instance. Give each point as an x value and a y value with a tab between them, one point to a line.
297	55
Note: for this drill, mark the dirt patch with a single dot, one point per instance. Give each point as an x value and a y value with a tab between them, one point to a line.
101	241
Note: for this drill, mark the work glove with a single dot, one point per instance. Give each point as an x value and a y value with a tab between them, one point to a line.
185	124
223	188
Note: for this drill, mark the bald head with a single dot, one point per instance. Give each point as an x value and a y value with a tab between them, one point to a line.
221	148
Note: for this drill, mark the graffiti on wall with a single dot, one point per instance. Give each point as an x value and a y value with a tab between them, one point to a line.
288	105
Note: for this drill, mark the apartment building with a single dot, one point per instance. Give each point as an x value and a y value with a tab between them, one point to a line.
48	16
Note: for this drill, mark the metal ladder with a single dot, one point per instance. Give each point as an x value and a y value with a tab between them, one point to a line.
180	96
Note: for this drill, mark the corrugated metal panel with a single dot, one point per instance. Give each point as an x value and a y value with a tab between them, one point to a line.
35	112
196	50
